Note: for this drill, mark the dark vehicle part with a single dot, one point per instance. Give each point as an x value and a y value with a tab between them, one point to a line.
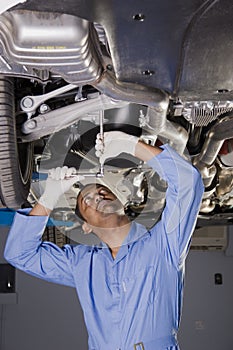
15	157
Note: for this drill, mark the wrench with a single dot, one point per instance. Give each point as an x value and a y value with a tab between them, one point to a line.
29	104
101	122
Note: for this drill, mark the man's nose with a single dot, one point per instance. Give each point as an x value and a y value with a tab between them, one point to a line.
98	197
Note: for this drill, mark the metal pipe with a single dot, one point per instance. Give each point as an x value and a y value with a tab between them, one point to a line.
221	131
158	124
157	102
133	93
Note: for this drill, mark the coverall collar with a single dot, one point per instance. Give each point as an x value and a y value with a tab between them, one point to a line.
136	232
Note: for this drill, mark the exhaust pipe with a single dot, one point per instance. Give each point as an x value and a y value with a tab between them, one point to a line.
157	101
158	125
221	131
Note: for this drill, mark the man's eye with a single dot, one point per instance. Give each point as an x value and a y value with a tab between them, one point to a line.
103	191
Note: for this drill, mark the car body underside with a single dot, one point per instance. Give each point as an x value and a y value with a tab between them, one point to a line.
158	70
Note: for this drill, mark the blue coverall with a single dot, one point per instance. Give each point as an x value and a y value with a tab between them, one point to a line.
135	298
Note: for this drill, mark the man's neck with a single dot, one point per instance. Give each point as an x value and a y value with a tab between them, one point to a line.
114	236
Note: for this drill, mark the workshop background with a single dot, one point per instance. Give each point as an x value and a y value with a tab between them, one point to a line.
35	314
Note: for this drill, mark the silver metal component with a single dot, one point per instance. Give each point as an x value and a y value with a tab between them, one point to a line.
31	124
43	46
5	5
201	113
101	172
44	108
224	190
94	117
26	103
98	174
54	120
84	174
158	125
143	120
208	172
101	33
17	70
133	93
221	131
6	63
79	97
223	193
29	104
59	43
207	205
157	100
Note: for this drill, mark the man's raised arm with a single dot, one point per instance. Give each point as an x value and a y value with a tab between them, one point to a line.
185	186
24	248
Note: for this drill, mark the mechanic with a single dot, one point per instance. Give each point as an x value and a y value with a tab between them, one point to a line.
131	285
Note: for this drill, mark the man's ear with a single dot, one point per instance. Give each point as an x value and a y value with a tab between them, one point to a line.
86	228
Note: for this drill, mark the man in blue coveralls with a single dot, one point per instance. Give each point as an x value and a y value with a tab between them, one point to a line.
131	286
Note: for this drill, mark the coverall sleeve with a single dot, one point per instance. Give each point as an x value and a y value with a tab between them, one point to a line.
26	251
183	198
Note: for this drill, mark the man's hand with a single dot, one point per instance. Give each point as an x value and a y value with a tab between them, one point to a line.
115	143
59	181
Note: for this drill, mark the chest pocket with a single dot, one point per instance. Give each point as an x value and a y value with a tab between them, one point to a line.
140	289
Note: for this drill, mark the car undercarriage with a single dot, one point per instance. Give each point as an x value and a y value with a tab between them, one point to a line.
161	71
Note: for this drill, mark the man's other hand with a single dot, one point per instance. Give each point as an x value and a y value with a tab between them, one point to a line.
114	143
58	182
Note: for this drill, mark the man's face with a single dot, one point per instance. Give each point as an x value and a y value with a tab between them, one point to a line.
97	203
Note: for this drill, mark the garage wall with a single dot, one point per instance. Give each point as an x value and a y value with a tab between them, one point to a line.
48	316
207	317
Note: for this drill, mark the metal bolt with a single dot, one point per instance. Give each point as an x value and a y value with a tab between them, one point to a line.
31	124
27	102
139	17
44	108
109	67
148	72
